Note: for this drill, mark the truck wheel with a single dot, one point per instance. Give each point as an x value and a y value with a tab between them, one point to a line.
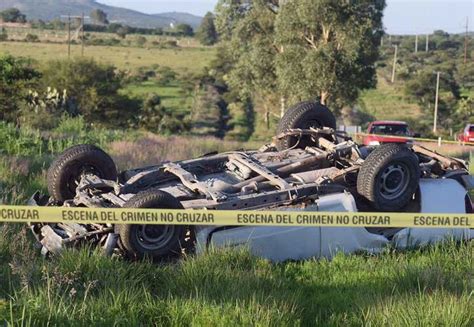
304	115
66	171
389	177
154	241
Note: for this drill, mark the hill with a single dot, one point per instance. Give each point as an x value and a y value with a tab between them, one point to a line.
51	9
181	17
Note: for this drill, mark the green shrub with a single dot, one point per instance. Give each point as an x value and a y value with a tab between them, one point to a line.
165	75
31	38
3	34
154	117
71	125
17	76
105	42
44	110
141	41
94	89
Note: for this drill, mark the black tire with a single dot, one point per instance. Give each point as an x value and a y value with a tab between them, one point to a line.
304	115
157	242
66	171
389	177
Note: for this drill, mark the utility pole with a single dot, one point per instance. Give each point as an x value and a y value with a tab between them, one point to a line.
435	123
394	68
69	36
79	31
427	42
82	35
416	43
466	40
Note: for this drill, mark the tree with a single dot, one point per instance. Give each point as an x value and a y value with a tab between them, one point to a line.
31	38
122	31
332	57
206	113
184	30
99	17
16	78
248	34
422	89
94	89
141	41
156	118
3	34
12	15
465	110
207	33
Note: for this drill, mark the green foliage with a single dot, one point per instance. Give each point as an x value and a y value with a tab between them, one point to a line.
31	142
141	41
71	125
207	33
422	89
3	34
331	57
122	31
99	16
206	113
279	54
31	38
94	89
184	30
165	75
154	117
465	110
250	46
44	110
248	34
16	77
465	75
12	15
107	42
240	125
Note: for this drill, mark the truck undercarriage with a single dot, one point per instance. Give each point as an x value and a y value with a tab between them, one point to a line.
308	168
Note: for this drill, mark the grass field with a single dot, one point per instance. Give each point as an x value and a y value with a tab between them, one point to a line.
182	60
427	287
19	34
172	95
387	102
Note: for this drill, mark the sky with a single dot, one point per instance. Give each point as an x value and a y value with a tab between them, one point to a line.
401	16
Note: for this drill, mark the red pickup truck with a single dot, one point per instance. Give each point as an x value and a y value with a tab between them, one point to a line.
388	132
468	134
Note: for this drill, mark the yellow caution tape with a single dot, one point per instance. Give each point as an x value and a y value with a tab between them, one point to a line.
23	214
414	139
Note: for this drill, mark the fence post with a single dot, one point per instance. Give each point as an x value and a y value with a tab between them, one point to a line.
439	141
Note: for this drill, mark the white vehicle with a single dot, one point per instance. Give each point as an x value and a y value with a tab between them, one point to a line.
309	167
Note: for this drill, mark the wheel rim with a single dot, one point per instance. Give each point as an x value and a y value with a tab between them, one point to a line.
154	237
394	181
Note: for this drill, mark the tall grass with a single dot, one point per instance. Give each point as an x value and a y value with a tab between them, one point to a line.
428	287
25	155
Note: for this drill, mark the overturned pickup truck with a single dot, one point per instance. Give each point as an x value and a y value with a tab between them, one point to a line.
309	167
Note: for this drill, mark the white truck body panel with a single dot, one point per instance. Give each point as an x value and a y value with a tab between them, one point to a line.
297	243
